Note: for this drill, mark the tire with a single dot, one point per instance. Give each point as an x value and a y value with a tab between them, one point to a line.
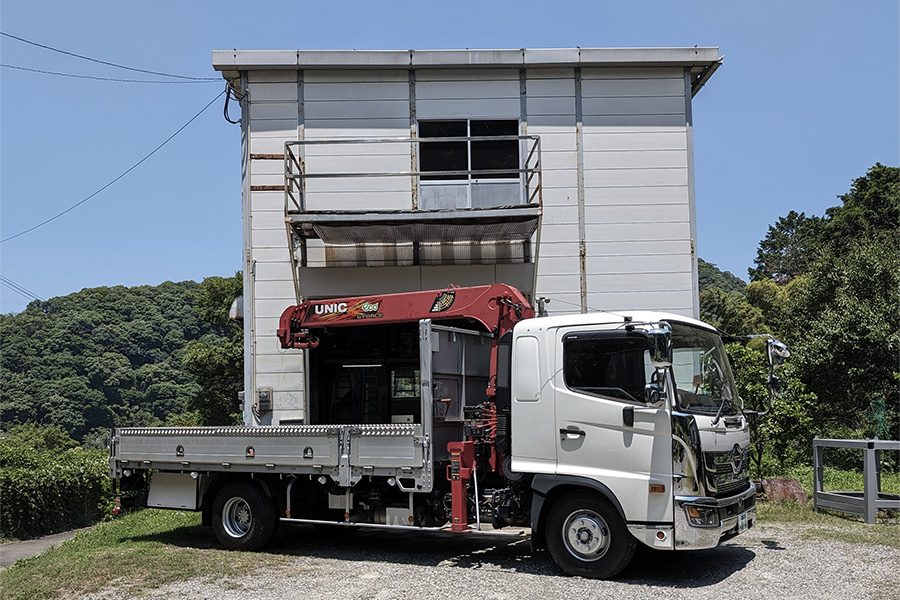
587	536
243	517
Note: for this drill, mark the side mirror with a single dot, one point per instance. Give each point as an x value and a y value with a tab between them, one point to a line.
774	384
776	352
660	348
653	394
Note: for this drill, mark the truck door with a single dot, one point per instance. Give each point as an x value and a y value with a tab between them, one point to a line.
598	386
455	372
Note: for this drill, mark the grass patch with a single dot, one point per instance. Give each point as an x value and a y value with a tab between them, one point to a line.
831	525
837	480
139	551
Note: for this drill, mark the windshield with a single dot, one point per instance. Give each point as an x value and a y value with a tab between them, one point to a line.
702	372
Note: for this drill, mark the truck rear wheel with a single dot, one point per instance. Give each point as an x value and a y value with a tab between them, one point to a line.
243	517
587	536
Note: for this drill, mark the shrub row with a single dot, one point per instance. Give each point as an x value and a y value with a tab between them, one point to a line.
54	492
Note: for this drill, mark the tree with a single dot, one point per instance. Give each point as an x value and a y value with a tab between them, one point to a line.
217	360
711	277
835	298
788	248
100	357
782	438
730	312
844	328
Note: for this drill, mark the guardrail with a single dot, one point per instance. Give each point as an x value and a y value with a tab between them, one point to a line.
867	502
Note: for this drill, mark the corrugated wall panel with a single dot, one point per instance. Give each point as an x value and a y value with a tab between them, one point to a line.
356	105
651	298
637	213
626	248
651	263
637	177
643	159
637	140
660	232
490	108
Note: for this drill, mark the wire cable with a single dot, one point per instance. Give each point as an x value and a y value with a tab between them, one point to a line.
22	291
103	62
132	168
6	66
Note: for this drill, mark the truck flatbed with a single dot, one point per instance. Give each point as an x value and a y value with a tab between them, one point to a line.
345	453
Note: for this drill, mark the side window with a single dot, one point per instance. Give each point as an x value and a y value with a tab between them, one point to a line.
609	364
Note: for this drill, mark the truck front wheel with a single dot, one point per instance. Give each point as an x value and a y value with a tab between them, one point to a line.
587	536
243	518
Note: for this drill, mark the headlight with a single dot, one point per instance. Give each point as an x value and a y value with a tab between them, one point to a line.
701	516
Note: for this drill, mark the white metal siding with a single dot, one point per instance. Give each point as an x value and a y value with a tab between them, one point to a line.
637	205
356	105
273	120
637	214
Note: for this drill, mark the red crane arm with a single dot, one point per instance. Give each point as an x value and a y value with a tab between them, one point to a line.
498	307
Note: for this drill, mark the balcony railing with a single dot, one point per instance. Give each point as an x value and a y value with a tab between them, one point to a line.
461	189
362	216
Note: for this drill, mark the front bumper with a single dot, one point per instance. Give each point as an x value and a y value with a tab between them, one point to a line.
718	518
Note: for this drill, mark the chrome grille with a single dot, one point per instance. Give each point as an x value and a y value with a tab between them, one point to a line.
726	472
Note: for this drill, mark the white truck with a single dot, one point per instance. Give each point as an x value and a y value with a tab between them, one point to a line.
458	410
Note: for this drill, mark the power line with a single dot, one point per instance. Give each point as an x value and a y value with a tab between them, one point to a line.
19	289
6	66
103	62
132	168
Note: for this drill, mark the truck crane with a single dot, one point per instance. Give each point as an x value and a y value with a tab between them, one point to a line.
459	411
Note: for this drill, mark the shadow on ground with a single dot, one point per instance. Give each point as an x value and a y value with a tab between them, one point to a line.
692	569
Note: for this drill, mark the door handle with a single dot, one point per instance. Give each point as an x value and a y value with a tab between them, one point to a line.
575	432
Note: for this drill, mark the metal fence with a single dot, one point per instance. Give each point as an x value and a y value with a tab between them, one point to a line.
871	499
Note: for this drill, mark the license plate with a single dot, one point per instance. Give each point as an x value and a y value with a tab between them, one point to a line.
742	523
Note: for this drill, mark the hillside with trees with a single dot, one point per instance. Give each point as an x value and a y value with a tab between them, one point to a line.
116	356
830	288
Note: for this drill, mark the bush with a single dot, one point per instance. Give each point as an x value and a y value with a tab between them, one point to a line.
49	487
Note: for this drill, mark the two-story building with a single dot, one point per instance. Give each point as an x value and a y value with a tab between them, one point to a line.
567	173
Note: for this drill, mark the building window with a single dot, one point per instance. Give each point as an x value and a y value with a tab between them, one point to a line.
469	173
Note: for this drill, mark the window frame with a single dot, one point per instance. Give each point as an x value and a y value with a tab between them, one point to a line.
471	177
606	336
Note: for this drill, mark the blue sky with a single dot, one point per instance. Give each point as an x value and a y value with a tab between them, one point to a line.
807	100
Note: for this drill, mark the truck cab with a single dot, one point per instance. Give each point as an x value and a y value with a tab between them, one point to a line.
647	436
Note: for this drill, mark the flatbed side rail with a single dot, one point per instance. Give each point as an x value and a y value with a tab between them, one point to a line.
346	453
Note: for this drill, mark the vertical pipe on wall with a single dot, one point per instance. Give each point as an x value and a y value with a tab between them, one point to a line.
689	135
579	147
246	202
413	145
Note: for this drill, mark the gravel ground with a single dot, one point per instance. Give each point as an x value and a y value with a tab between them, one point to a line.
769	561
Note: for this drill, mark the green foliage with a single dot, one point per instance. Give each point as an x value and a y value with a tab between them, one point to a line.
101	357
784	436
48	483
830	288
843	326
217	360
731	312
787	249
711	277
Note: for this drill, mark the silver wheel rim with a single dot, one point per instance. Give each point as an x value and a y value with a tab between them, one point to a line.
586	535
236	517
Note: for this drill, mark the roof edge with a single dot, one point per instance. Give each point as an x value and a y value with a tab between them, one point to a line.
231	60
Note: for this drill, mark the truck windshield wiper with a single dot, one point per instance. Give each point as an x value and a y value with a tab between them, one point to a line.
721	406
